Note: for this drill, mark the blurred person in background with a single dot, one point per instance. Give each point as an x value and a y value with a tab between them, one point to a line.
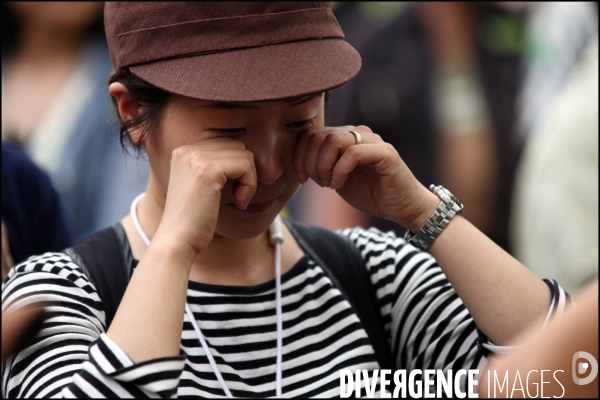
554	229
556	36
33	220
465	144
438	82
54	105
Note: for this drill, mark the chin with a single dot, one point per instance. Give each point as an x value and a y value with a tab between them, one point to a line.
233	226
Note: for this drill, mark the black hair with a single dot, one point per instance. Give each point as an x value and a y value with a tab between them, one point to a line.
152	102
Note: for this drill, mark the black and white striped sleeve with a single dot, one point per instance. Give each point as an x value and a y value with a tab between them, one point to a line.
71	356
428	324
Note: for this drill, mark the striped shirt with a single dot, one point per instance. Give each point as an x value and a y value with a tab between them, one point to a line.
427	323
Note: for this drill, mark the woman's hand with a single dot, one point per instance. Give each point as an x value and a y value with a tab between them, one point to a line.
371	176
198	173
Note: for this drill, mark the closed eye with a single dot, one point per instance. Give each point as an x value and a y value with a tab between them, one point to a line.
298	125
230	132
301	125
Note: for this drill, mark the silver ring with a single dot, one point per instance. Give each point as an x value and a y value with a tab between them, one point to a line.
357	137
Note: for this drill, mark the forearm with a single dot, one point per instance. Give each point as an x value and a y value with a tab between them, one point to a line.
149	320
501	294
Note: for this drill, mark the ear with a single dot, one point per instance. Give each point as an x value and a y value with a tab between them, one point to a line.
127	108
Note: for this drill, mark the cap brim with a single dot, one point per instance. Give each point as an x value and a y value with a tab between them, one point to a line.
256	74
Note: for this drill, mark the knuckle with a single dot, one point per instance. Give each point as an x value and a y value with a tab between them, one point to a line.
390	150
203	168
247	164
353	151
332	138
178	152
365	128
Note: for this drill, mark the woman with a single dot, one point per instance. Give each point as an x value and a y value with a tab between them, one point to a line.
227	101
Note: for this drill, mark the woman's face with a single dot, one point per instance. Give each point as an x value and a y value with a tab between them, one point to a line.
270	130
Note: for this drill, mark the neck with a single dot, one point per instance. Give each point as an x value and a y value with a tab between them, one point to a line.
225	261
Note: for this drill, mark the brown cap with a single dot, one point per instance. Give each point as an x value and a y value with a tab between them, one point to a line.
231	51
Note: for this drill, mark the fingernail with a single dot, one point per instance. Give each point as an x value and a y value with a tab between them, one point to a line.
326	183
301	177
333	184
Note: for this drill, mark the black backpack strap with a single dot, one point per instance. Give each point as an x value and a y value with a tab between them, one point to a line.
342	262
106	259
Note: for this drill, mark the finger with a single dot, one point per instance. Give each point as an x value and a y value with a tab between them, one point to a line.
312	154
334	145
310	140
303	146
244	171
243	188
364	154
299	155
363	128
224	154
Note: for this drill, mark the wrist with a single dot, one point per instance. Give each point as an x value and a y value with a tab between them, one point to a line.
448	207
426	207
178	251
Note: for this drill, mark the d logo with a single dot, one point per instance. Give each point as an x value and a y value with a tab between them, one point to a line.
582	367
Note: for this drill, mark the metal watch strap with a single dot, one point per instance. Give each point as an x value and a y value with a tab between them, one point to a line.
449	206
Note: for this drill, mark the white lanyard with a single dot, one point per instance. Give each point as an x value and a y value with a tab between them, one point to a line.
276	238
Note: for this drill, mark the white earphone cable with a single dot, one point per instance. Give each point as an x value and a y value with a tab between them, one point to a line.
276	238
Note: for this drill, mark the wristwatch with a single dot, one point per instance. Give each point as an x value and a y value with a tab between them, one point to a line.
445	211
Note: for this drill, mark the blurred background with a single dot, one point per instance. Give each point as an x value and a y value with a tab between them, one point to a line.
55	107
497	101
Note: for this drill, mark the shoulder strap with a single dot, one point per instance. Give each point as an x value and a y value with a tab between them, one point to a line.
105	257
342	262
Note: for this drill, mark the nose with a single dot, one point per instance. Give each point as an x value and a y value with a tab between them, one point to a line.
268	159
